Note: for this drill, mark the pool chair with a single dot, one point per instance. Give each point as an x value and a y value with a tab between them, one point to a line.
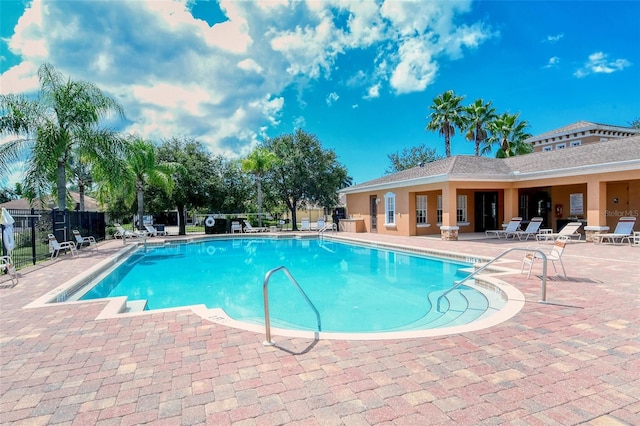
123	233
531	230
554	255
248	228
80	240
7	266
305	225
153	232
56	247
512	227
623	231
236	227
569	230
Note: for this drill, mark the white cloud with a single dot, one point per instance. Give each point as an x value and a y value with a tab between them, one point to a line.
554	38
553	62
373	92
332	98
598	63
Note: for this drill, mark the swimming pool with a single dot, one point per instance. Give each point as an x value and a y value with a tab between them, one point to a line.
356	288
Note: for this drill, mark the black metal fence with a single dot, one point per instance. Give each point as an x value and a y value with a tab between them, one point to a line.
31	229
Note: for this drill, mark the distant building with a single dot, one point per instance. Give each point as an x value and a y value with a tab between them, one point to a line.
577	134
90	204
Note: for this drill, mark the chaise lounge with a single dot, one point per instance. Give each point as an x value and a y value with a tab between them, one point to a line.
512	227
623	231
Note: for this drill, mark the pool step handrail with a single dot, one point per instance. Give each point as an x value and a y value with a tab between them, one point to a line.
265	294
483	267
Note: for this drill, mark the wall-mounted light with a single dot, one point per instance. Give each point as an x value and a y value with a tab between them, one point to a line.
378	200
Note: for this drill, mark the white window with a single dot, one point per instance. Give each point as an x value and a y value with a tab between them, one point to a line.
461	213
439	209
576	143
390	208
547	148
421	209
561	146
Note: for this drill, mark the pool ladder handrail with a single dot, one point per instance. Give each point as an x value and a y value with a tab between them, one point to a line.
483	267
265	294
328	227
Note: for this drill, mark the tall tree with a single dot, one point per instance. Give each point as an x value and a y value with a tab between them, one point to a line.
192	174
80	175
62	121
446	116
142	170
258	163
509	134
411	157
635	123
305	172
477	117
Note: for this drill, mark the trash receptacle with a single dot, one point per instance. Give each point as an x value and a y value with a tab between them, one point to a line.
209	225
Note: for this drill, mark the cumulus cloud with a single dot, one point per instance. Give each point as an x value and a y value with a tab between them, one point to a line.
554	38
225	84
553	62
332	98
599	63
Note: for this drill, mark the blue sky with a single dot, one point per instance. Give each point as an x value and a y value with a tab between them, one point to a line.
358	74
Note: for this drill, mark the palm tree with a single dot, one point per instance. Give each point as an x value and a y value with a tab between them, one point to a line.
446	116
63	121
142	170
81	176
477	116
509	134
258	163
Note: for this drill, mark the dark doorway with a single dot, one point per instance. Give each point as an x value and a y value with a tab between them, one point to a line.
486	211
373	202
535	203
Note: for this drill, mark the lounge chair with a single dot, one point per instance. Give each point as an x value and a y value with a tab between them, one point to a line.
532	229
623	231
153	232
236	227
512	227
80	240
56	247
305	225
248	228
6	265
569	230
554	255
122	233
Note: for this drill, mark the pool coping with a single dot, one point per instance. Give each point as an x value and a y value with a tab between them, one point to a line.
117	307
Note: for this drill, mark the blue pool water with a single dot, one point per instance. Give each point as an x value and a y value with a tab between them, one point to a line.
355	288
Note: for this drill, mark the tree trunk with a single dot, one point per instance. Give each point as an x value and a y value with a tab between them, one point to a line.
81	195
140	194
62	186
294	221
182	228
259	180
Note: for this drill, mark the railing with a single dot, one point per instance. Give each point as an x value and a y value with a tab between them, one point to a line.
474	273
265	293
327	227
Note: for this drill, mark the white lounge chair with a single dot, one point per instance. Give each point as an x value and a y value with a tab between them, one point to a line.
305	225
6	265
554	255
80	240
623	231
152	231
513	226
569	230
56	247
249	228
532	229
122	233
236	227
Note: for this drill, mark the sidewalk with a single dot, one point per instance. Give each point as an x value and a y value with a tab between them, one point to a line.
574	360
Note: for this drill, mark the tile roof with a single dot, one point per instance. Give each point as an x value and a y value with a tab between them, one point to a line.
90	204
613	152
582	126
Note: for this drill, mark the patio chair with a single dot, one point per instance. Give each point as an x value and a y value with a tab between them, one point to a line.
6	265
249	228
554	255
532	229
513	226
569	230
153	232
623	231
56	247
80	240
123	233
236	227
305	225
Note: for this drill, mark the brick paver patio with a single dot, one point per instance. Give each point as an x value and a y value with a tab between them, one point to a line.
575	360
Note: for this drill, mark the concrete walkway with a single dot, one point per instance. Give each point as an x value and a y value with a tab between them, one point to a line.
575	360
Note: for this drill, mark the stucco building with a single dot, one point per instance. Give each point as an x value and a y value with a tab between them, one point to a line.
578	134
594	183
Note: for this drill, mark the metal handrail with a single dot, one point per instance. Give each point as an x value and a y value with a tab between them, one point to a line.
265	294
468	277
